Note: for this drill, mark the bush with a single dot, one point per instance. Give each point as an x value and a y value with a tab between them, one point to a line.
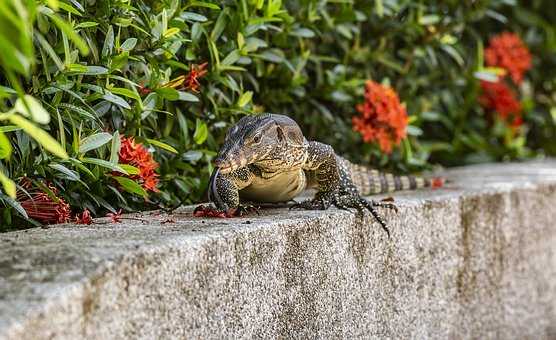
108	70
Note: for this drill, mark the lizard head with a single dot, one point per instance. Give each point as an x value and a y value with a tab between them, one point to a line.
257	138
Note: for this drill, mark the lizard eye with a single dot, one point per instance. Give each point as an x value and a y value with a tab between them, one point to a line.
257	139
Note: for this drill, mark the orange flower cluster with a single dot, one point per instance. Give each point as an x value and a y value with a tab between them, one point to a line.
500	98
507	50
42	207
382	118
136	154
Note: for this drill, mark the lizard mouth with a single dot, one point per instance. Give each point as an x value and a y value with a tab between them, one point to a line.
225	169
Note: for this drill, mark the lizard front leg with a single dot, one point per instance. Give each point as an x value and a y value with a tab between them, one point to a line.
321	159
335	185
223	192
350	197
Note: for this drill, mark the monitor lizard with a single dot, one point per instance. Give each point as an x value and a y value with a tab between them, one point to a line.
266	159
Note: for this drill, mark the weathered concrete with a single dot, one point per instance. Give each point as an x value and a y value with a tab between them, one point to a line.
474	260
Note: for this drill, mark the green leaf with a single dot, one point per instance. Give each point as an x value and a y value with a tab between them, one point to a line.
41	136
193	155
78	164
231	58
429	19
105	164
36	112
162	145
171	32
8	184
187	97
204	4
252	44
196	31
69	8
50	51
201	132
108	45
9	128
77	68
71	33
220	25
379	8
454	54
193	16
116	100
94	141
86	24
131	186
13	203
126	92
115	149
303	33
245	98
132	170
129	44
77	109
5	147
273	55
168	93
183	127
95	70
71	175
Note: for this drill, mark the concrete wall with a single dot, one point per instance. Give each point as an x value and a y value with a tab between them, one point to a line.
474	260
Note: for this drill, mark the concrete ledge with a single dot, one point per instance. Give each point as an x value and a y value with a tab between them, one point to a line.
474	260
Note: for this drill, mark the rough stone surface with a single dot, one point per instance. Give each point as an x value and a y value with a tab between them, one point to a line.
474	260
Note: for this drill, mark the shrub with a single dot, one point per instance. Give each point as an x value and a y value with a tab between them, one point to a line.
173	75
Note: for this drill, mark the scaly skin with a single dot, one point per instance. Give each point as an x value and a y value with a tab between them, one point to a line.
267	159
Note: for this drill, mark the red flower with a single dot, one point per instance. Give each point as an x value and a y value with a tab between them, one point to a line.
188	81
115	217
500	98
45	209
136	154
507	50
84	218
144	90
191	81
382	118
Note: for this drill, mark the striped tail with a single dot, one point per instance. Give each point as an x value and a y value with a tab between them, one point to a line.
370	181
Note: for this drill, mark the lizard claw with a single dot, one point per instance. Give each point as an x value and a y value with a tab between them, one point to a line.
204	211
388	205
361	204
308	205
321	201
243	210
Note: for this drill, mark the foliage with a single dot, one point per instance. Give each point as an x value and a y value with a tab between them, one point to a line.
104	70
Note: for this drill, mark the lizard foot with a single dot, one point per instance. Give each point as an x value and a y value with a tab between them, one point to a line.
362	204
243	210
384	204
321	201
208	211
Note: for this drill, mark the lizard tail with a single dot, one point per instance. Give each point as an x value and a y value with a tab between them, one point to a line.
370	181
